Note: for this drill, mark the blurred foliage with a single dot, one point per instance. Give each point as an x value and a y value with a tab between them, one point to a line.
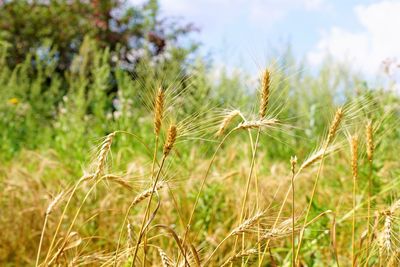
68	108
42	108
34	26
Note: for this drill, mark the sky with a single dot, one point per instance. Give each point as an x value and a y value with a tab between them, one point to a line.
244	34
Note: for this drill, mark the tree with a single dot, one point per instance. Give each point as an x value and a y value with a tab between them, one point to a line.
28	25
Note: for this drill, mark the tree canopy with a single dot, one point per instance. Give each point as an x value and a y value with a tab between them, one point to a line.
31	26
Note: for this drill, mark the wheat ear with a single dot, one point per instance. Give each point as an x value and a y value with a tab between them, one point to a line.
158	110
145	194
265	93
335	125
370	141
354	168
258	124
165	260
101	160
387	232
226	121
171	138
247	224
240	255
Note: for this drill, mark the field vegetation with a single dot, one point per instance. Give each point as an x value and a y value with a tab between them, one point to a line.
156	163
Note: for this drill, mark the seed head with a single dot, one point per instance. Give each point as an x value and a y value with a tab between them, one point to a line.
265	92
171	138
354	155
370	141
158	110
335	125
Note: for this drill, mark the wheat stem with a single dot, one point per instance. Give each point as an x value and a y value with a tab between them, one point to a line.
203	182
171	138
244	200
293	162
331	135
370	150
158	119
354	167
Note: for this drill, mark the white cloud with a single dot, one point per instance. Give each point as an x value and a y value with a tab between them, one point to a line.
222	12
365	49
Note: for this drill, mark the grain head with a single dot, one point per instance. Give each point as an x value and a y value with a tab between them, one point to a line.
265	93
158	110
171	138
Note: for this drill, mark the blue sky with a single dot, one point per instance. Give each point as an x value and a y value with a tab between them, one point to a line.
243	34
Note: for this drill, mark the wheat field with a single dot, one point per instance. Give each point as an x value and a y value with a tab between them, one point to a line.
203	190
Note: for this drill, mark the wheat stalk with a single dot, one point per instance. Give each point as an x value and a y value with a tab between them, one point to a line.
370	153
293	162
354	168
171	138
331	135
49	209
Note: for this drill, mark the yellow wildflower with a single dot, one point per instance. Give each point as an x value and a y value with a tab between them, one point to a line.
13	101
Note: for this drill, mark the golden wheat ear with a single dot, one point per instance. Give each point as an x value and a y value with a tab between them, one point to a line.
335	125
258	124
165	260
101	159
354	155
146	193
318	155
386	241
226	121
370	140
265	93
171	138
54	203
247	225
354	169
158	110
